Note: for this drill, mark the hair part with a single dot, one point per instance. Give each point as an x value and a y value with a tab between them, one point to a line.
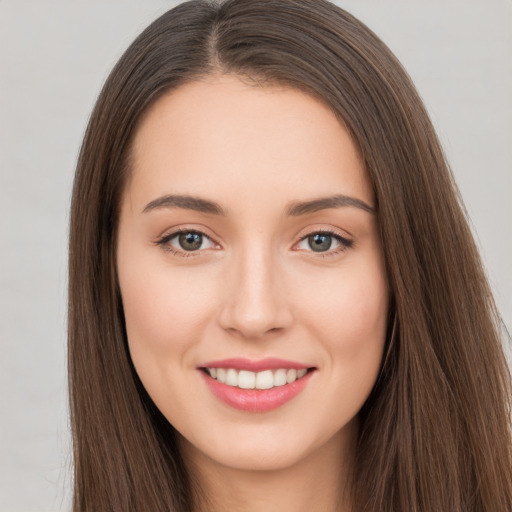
435	431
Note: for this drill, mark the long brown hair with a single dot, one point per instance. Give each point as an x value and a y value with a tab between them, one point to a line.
436	430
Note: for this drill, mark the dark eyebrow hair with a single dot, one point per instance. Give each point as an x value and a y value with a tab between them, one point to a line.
323	203
187	202
294	209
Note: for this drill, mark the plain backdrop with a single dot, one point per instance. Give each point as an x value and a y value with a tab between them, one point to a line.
54	57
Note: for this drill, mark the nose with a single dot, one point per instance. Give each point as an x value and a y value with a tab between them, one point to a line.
254	302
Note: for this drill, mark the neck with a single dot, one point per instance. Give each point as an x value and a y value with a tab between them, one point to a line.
319	481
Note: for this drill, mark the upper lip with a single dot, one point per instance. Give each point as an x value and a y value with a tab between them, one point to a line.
268	363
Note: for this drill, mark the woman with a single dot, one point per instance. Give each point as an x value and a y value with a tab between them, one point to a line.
275	299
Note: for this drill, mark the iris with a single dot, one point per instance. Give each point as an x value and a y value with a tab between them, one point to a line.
320	242
190	241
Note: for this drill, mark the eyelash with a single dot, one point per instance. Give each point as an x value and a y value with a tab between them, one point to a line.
345	243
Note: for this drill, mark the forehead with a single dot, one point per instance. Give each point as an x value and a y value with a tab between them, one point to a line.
228	137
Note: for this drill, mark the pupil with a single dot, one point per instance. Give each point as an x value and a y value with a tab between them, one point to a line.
320	242
190	241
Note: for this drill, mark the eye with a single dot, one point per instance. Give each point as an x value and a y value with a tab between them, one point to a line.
189	242
326	243
185	242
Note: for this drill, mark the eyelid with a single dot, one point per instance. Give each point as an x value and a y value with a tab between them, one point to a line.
163	241
342	239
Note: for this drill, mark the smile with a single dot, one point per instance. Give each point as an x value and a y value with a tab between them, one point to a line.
267	379
256	386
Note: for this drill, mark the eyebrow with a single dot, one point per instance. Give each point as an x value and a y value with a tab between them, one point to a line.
314	205
187	202
294	209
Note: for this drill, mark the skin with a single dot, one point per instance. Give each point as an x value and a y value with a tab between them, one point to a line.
255	288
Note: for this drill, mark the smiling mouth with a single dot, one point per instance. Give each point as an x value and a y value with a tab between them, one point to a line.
256	385
266	379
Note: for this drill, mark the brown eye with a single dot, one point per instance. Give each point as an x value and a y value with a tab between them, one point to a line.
325	243
185	242
320	242
190	241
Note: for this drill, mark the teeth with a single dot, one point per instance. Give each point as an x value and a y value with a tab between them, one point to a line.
232	377
291	376
280	378
246	380
221	374
266	379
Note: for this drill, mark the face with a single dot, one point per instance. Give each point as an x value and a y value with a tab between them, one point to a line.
251	272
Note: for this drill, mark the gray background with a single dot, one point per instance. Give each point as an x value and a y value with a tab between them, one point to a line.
54	57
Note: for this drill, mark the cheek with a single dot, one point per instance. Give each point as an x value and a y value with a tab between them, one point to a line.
161	311
351	322
163	319
351	311
353	329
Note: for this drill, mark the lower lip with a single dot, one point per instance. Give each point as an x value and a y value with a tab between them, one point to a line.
256	400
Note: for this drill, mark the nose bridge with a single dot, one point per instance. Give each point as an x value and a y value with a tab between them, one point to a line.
254	303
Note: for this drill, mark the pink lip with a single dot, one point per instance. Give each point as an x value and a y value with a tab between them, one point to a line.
256	400
269	363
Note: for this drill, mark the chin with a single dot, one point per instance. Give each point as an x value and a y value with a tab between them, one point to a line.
266	450
259	458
